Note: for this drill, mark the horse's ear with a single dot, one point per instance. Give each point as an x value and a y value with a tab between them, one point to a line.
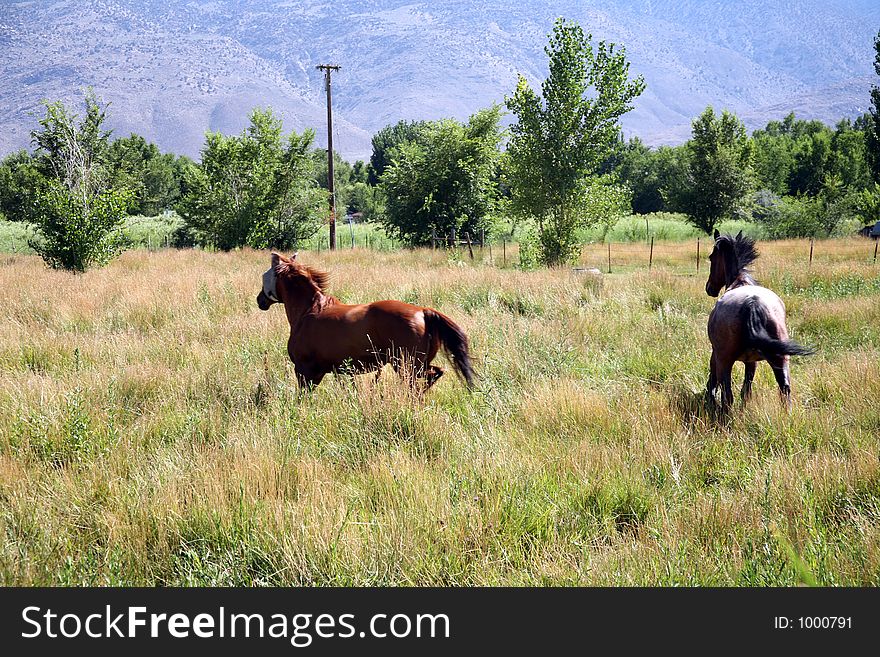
295	253
717	234
275	259
739	235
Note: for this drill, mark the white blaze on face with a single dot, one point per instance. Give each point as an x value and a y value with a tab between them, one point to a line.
269	279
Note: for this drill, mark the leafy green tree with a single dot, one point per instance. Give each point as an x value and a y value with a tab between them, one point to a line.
342	177
444	180
360	172
848	159
79	214
812	152
717	175
773	159
153	177
77	233
867	204
367	200
387	140
255	189
643	171
561	138
872	132
20	184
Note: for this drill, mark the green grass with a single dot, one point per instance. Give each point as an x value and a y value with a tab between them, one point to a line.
14	237
151	432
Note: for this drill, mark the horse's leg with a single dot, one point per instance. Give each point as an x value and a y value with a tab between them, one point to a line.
783	380
746	391
307	378
725	372
712	384
432	373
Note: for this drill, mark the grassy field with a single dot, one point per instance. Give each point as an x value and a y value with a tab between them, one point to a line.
151	432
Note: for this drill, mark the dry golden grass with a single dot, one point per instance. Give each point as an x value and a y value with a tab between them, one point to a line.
151	432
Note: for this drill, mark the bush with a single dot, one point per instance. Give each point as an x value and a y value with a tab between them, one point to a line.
803	216
76	236
256	189
78	213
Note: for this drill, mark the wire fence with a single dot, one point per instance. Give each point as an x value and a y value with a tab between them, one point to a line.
608	257
691	256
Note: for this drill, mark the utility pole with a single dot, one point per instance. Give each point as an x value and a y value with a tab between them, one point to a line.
328	68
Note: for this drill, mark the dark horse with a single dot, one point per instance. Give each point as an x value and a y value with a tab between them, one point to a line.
328	336
747	323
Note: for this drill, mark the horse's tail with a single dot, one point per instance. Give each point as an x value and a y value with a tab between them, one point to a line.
755	320
454	341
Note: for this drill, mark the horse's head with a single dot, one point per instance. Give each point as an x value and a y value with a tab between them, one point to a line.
728	260
287	280
269	294
718	264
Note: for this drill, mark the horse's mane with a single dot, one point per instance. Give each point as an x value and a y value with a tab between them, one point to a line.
744	253
744	250
289	268
320	278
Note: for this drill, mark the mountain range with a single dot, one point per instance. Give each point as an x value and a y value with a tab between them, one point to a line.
172	70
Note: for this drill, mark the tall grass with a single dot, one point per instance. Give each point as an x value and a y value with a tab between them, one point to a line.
151	432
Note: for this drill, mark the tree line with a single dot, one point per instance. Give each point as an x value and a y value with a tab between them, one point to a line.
562	166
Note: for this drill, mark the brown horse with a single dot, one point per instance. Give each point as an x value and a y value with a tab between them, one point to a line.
329	336
747	323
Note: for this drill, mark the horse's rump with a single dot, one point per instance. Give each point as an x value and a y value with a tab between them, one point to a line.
763	334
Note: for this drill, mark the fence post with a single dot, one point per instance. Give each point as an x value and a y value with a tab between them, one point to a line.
651	254
609	257
482	241
433	238
698	255
491	260
470	246
646	227
876	244
504	250
811	253
454	244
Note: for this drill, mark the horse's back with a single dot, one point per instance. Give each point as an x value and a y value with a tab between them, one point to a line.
361	331
727	325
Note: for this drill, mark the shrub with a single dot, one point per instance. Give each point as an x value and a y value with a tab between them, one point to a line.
76	236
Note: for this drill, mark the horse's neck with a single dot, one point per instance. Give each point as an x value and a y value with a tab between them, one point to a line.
742	278
302	307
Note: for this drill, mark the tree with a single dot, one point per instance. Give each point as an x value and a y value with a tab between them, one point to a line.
20	184
360	172
367	200
812	153
717	174
773	159
342	177
872	133
561	137
642	170
848	158
153	177
387	140
78	214
256	189
444	180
